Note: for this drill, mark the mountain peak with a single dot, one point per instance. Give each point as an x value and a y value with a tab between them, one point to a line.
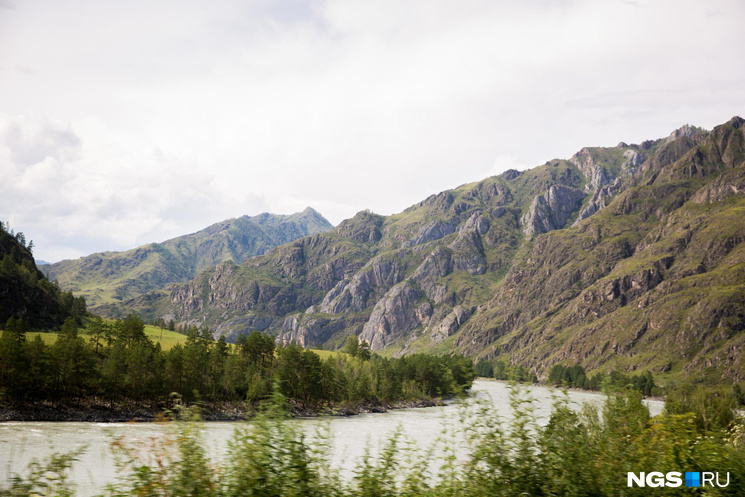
686	130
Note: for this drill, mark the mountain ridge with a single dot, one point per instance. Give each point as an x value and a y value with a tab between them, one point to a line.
536	267
105	278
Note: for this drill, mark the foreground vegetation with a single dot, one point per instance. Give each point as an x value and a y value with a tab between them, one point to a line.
586	453
119	363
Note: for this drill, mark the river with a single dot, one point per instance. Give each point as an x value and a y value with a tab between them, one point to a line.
20	442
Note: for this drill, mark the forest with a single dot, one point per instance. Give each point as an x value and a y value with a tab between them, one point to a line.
117	364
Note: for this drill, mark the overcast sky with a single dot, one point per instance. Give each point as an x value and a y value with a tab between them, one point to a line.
128	122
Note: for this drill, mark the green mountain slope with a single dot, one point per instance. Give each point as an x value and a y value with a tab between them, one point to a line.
626	257
24	290
105	279
654	281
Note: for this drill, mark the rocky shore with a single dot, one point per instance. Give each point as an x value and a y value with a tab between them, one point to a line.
94	412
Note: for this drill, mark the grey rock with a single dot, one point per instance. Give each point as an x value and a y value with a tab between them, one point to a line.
511	174
592	171
477	223
600	199
551	210
603	195
468	253
392	316
633	161
686	130
494	193
467	249
351	295
435	266
725	186
434	230
231	329
308	331
450	324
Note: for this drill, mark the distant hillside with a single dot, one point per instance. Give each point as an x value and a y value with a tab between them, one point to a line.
627	257
24	290
105	279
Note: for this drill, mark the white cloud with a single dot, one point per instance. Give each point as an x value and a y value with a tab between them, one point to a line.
188	112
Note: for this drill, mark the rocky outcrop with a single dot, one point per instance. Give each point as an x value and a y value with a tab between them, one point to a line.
686	130
613	292
603	195
467	249
309	331
633	160
398	312
725	186
510	174
434	230
363	227
551	210
427	277
232	328
599	200
410	304
594	173
351	295
452	322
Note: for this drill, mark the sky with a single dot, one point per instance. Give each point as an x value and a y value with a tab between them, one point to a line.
125	123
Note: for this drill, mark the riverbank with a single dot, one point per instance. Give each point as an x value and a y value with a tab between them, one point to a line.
97	412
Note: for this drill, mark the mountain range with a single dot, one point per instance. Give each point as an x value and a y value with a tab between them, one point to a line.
108	278
628	257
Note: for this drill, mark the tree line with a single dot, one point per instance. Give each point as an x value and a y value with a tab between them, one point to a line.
118	363
576	377
569	376
500	370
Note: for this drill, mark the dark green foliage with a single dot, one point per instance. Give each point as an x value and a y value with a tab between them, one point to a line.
713	408
356	348
499	370
75	362
121	364
737	393
352	346
484	369
13	360
575	377
24	290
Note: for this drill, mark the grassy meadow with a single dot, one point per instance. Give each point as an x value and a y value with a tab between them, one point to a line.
167	339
